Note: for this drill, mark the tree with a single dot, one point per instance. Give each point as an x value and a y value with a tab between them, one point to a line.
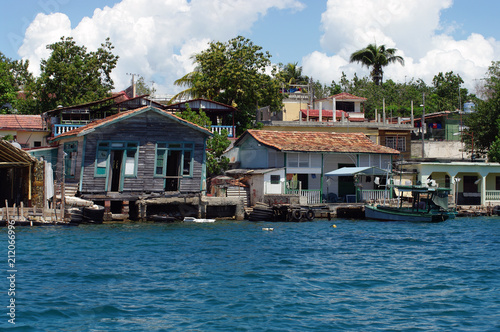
291	73
14	78
234	73
448	93
216	162
483	123
376	57
71	75
142	88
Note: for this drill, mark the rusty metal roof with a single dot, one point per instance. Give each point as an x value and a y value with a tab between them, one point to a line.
300	141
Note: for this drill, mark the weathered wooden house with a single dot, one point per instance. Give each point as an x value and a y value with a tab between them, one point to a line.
222	116
134	155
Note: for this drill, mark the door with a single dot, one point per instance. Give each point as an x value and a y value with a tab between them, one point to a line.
346	183
115	175
173	170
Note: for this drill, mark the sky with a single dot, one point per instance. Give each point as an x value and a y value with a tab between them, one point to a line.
156	38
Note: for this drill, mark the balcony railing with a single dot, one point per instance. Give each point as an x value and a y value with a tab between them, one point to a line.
492	195
59	129
375	195
218	129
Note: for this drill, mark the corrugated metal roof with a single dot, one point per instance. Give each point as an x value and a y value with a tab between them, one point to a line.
300	141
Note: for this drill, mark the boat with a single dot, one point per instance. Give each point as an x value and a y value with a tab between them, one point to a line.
425	204
162	218
193	219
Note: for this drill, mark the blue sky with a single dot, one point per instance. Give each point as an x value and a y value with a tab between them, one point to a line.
155	38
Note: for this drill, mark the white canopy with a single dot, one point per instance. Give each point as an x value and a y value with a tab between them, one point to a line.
351	171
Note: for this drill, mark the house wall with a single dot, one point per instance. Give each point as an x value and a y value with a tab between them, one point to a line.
27	139
486	174
146	129
274	188
439	149
252	154
291	110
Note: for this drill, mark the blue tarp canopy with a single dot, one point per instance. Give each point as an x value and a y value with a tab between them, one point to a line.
351	171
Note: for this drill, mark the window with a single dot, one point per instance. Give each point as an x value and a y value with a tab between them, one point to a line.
70	156
176	159
396	142
37	144
298	160
120	153
275	179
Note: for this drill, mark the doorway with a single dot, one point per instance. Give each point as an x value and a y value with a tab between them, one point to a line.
116	170
173	170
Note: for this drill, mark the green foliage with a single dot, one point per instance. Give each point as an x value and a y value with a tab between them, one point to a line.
234	73
71	75
291	73
142	88
376	57
8	137
14	77
200	118
483	123
216	162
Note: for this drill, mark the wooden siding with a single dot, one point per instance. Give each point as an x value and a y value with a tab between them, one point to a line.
146	129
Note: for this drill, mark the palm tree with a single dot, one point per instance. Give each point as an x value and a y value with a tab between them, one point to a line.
292	74
376	57
187	81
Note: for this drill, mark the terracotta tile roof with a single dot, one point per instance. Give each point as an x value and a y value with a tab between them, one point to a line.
118	116
21	122
300	141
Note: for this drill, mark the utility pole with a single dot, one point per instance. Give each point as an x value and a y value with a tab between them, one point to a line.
133	83
422	124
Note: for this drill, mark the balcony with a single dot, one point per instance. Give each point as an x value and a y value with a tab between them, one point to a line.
59	129
218	129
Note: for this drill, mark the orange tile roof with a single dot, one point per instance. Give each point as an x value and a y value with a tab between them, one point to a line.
21	122
117	116
300	141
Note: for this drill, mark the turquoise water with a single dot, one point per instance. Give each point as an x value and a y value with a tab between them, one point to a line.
234	276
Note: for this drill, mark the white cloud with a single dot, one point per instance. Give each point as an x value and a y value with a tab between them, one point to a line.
411	26
45	30
153	38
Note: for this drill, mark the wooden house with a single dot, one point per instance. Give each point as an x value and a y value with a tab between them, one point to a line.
66	118
145	152
300	160
222	116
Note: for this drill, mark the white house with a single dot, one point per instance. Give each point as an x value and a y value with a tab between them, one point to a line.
302	158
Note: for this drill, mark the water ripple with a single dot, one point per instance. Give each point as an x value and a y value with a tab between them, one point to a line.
232	276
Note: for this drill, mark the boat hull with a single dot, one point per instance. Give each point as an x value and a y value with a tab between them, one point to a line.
394	214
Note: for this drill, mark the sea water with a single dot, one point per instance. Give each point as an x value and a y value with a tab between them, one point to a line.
324	275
